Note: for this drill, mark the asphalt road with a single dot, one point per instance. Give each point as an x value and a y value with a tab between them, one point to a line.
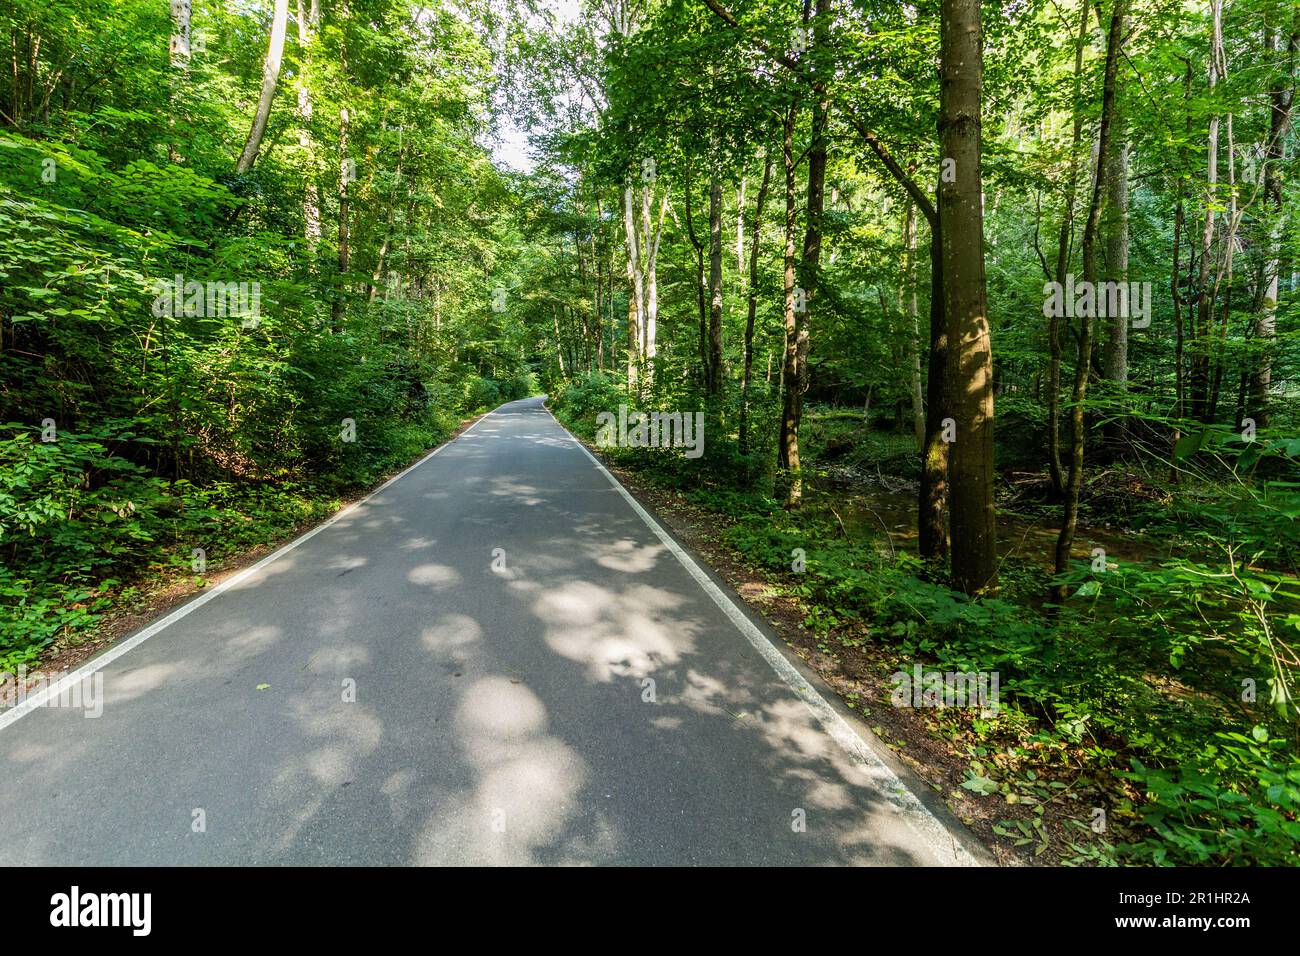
458	671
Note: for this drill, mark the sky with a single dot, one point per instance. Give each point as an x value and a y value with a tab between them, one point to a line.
510	150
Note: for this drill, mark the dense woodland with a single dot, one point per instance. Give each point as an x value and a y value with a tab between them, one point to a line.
1026	274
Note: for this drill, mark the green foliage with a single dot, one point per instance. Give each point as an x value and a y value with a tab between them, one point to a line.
585	398
207	426
1235	802
1091	678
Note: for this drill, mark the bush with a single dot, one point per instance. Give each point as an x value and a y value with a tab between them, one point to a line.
584	399
1236	802
1085	681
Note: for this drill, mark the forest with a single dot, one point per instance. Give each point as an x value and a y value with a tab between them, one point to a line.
990	313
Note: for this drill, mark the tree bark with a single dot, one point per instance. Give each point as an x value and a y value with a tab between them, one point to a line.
787	450
1064	242
970	368
797	379
308	22
270	80
932	503
715	288
907	305
1200	377
701	299
1180	220
1281	101
1115	362
345	174
635	291
649	347
755	228
181	11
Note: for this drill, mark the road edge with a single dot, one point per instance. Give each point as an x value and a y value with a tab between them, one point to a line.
901	789
112	651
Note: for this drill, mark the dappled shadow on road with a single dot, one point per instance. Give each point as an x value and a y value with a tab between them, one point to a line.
534	679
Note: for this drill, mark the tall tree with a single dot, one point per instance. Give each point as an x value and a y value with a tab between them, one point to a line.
1091	271
1064	242
347	172
270	80
715	369
635	289
755	236
1281	100
308	24
970	363
796	376
1200	374
908	306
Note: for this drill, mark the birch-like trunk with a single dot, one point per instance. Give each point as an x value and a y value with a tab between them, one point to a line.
715	288
1281	101
308	21
635	290
653	230
270	80
180	61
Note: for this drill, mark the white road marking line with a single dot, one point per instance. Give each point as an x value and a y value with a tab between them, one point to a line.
936	837
99	663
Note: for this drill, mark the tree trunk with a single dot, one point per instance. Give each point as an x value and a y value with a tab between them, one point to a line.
1281	100
701	300
635	291
740	233
1116	353
1200	379
755	227
650	324
970	368
931	521
1115	362
180	60
907	304
810	261
1064	241
345	175
559	348
1180	219
270	79
1223	276
1065	539
308	21
787	450
715	288
345	212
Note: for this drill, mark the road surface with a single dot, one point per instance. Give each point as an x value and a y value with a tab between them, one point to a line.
494	659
